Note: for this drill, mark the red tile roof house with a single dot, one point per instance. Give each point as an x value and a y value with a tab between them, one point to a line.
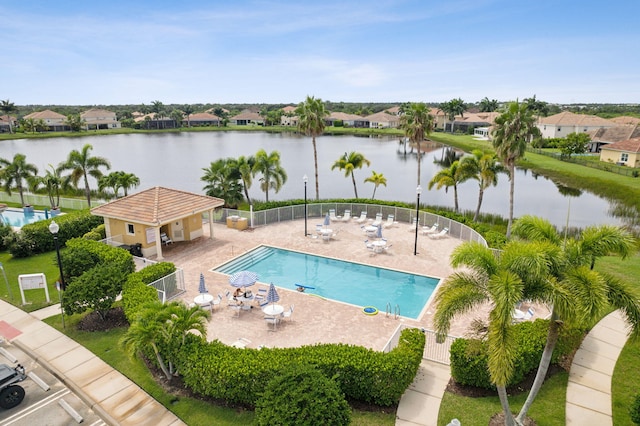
288	117
4	122
202	119
140	218
100	119
348	120
152	122
564	123
611	135
382	120
245	118
55	122
624	153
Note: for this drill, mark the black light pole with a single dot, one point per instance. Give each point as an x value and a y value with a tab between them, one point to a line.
418	191
305	179
54	228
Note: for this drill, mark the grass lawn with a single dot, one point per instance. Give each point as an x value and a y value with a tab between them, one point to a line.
43	263
548	408
625	383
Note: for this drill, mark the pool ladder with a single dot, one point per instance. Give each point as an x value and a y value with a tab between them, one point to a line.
396	310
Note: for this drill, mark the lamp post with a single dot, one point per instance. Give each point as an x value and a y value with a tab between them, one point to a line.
418	192
305	179
54	228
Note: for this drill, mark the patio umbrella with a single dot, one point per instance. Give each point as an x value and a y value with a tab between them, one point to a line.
327	220
272	294
243	279
379	234
201	288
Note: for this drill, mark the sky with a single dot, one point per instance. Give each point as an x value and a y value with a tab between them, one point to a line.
250	51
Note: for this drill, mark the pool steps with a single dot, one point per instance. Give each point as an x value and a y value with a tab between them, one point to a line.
250	258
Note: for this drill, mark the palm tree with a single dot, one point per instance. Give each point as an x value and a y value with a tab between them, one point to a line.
128	181
7	108
82	165
591	293
245	169
29	125
349	162
487	105
273	175
223	182
16	173
377	179
513	129
311	115
499	281
484	168
112	180
188	110
451	177
416	123
451	109
52	182
157	107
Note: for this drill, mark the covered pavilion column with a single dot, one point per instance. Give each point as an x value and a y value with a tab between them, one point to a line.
211	224
158	244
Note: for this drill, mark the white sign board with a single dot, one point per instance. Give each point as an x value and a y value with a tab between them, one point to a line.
33	282
151	235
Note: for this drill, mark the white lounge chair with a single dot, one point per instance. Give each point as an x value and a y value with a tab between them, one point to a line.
362	218
347	216
288	314
390	221
529	314
241	343
216	301
440	234
332	215
378	220
430	229
165	239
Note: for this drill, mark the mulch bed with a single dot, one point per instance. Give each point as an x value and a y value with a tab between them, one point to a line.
115	318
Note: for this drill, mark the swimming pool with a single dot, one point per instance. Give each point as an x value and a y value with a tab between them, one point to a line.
353	283
18	219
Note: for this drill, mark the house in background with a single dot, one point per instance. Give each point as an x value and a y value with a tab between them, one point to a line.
56	122
246	118
348	120
602	137
382	120
141	218
624	153
202	119
564	123
152	121
100	119
4	123
288	117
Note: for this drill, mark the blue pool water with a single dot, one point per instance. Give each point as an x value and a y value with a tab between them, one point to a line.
18	219
348	282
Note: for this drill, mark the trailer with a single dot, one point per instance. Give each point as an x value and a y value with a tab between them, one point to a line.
11	394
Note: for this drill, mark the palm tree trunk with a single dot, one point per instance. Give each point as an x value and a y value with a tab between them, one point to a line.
246	193
353	179
480	195
87	190
508	416
161	363
455	198
315	164
511	192
374	192
543	367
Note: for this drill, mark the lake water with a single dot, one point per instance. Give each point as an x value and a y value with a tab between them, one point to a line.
176	160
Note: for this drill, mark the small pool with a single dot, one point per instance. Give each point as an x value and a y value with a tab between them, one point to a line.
18	219
349	282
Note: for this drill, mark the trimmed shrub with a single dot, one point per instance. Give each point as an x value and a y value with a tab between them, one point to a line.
5	231
634	410
136	291
469	356
302	395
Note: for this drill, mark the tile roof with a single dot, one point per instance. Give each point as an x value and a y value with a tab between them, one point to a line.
46	114
248	115
614	134
629	145
157	206
344	116
289	108
567	118
625	119
97	113
382	117
202	116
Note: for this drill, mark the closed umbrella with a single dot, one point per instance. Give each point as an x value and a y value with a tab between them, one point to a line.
273	297
201	288
379	234
327	220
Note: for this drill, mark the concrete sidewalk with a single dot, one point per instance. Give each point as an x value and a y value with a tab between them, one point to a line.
589	387
116	399
420	404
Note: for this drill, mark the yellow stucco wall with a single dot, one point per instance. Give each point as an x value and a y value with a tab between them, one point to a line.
192	226
614	157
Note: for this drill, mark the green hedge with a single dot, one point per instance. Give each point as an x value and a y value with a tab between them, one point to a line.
136	291
36	238
240	375
469	356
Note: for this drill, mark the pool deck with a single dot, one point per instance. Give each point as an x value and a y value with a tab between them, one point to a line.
314	320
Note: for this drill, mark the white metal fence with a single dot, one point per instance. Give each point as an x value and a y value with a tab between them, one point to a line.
316	212
434	350
43	200
170	286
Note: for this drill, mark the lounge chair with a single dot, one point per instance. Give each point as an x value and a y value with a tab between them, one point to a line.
241	343
362	218
347	216
378	220
439	235
386	248
430	229
332	215
165	239
216	301
412	228
390	221
529	314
